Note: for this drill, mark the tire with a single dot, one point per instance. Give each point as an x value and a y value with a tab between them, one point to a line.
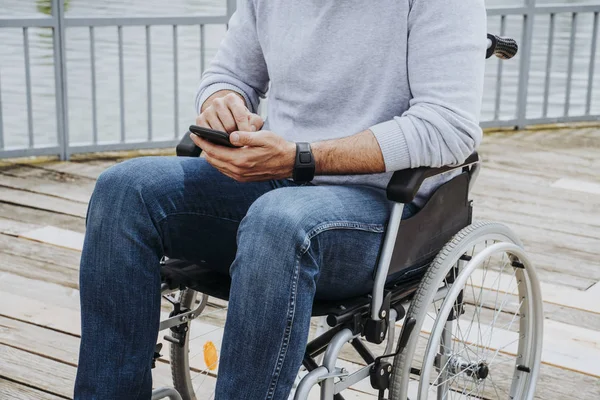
477	234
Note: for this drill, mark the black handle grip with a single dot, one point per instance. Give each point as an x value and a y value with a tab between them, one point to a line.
187	148
504	48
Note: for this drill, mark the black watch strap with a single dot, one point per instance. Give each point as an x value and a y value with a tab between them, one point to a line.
304	167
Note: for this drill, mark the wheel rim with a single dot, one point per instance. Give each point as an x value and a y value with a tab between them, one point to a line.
477	356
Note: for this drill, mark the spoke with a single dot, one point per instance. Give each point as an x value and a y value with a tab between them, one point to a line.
496	386
502	348
206	333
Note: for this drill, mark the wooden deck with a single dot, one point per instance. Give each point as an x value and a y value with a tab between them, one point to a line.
544	184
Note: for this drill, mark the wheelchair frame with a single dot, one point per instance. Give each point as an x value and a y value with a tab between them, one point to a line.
375	320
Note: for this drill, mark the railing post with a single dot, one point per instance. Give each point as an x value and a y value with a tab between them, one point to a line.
60	78
527	42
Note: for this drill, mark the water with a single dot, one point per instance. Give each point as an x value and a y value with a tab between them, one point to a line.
12	71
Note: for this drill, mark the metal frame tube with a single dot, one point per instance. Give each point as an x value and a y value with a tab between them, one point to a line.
588	103
149	82
330	359
1	120
499	73
162	393
549	64
175	84
570	68
526	44
93	81
121	83
202	49
308	382
60	78
28	86
385	258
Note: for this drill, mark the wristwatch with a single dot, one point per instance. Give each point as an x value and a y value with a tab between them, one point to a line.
304	167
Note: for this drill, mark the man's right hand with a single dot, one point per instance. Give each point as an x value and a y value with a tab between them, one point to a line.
226	111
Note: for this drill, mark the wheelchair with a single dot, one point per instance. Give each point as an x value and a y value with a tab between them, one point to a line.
455	311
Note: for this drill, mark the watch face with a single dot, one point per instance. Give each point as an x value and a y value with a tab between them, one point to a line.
305	157
304	167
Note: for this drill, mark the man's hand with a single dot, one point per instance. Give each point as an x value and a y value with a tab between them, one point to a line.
260	156
228	113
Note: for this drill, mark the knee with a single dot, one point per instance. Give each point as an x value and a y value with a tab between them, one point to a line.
276	221
121	187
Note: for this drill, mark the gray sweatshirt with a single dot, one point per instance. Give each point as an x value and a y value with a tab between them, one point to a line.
411	71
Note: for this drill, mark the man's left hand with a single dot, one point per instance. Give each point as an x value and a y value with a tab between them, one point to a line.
259	156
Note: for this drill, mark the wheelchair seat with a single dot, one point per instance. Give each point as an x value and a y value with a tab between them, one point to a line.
419	239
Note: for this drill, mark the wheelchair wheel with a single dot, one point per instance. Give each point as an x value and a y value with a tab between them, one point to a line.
194	362
478	322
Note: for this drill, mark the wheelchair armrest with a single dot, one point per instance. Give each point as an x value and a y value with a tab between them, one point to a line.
405	184
187	148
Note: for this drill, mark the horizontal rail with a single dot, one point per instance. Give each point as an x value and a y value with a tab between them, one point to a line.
511	123
91	148
143	21
41	22
541	10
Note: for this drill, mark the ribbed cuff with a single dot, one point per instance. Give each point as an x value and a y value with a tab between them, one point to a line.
393	145
216	87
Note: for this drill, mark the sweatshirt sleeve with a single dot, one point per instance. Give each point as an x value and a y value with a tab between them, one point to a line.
239	64
446	56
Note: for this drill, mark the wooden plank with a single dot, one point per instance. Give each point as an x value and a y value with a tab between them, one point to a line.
77	191
39	270
551	293
15	228
38	340
33	370
43	252
53	376
577	185
528	195
42	202
42	313
90	170
34	216
56	236
13	390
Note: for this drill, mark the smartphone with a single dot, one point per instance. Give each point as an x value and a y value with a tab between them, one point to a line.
217	137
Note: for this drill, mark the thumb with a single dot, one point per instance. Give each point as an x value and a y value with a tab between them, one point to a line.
241	138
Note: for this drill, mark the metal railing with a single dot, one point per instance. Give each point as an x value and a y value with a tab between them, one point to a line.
508	83
535	18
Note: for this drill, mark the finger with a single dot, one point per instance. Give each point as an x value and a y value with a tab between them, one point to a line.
254	139
201	121
212	149
256	121
240	113
213	120
224	168
224	115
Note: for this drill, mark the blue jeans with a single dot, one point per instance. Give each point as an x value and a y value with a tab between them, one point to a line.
282	244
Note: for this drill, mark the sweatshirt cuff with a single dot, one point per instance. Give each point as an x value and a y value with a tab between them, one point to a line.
216	87
392	143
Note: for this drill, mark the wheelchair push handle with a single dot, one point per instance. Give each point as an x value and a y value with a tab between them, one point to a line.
501	47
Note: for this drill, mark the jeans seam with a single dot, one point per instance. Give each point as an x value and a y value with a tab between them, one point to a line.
195	213
288	330
332	225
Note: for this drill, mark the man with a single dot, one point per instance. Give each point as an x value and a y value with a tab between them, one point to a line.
372	87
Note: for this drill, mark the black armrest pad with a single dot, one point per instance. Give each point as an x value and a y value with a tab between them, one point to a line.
405	184
187	148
